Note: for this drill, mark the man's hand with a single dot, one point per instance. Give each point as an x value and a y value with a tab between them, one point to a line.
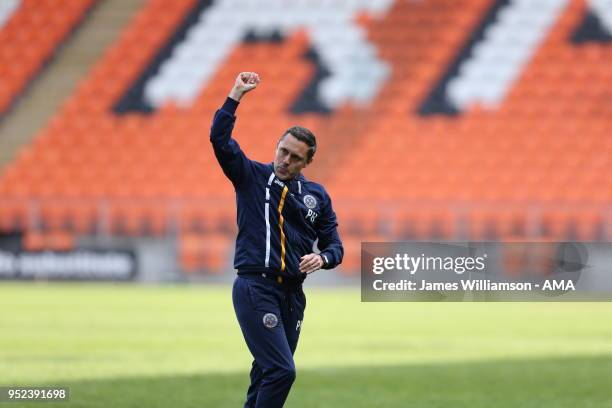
310	263
245	82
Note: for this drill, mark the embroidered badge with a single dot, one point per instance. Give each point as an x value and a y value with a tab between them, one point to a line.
270	320
310	201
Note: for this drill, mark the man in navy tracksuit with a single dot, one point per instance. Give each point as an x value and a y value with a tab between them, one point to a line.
280	215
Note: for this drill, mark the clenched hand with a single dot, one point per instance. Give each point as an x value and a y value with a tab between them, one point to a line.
245	82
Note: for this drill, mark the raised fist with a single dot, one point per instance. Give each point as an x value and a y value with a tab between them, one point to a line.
245	82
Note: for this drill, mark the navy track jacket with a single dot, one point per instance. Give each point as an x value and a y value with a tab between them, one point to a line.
278	221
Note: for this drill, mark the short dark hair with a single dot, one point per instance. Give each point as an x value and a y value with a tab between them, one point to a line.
303	135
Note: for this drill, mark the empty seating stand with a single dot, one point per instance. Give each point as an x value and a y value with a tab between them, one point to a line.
30	33
509	154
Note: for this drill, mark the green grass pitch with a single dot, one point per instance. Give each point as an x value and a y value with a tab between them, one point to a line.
180	346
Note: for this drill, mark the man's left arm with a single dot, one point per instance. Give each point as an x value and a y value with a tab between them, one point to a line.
329	243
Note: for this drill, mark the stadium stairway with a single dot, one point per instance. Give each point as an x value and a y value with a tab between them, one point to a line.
99	28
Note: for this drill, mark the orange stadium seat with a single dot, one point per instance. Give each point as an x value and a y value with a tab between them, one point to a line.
55	241
208	252
13	216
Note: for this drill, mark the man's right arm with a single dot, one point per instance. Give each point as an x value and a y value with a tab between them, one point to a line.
232	159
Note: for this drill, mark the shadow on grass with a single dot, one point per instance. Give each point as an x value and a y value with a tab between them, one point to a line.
576	382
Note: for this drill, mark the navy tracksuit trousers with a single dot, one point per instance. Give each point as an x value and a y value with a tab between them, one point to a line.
270	315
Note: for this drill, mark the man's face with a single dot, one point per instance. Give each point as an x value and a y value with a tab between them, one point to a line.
290	158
